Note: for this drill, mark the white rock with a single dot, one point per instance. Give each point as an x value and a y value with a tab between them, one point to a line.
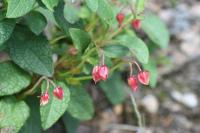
150	103
190	100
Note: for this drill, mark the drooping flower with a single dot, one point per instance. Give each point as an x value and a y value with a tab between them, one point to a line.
100	73
58	92
44	98
132	82
136	24
120	18
144	77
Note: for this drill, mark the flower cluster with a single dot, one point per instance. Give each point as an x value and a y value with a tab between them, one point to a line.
143	77
58	92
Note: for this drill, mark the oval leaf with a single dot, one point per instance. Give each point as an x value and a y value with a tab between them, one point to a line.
92	4
156	29
13	115
36	22
80	38
12	79
51	112
17	8
50	4
80	105
136	46
31	52
6	29
115	50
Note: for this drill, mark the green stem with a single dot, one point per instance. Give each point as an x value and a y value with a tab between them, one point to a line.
82	78
53	41
138	115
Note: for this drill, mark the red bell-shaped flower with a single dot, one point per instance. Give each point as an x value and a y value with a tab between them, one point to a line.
44	98
95	74
136	24
58	92
144	77
120	18
103	72
132	82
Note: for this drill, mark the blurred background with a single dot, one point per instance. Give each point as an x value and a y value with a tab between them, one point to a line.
171	107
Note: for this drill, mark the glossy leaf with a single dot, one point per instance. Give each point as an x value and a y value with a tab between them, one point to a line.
18	8
12	79
136	46
114	89
92	4
51	112
50	4
13	115
36	22
80	38
105	11
80	105
31	52
6	29
156	29
115	50
71	13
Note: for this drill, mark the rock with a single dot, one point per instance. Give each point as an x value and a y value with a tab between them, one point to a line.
55	58
188	99
150	103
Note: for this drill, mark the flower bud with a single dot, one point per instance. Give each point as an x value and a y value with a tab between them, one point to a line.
144	77
58	92
136	24
103	72
44	99
132	82
120	18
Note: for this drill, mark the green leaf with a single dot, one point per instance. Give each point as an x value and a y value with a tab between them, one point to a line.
6	29
33	124
114	89
71	13
140	4
51	112
2	14
81	39
71	124
50	4
92	4
17	8
13	115
115	50
31	52
36	22
156	29
60	19
105	11
80	105
12	79
152	68
136	46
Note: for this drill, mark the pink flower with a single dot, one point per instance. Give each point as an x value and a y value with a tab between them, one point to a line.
44	99
100	73
144	77
132	82
120	18
58	92
136	24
